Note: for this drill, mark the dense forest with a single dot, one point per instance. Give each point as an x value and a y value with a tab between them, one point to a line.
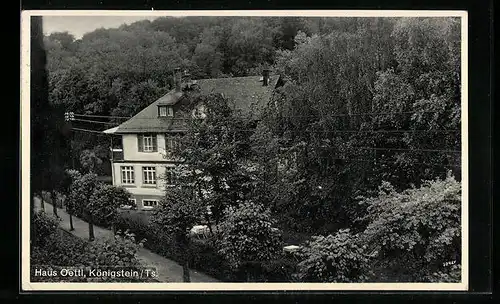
370	108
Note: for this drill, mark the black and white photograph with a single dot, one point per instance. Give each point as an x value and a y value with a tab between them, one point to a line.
223	150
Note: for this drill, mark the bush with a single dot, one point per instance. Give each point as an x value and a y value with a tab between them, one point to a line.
334	258
247	236
61	249
204	254
44	226
416	232
104	203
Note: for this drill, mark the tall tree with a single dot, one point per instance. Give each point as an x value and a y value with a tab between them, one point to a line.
176	215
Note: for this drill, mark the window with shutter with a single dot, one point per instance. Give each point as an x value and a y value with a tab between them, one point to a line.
149	143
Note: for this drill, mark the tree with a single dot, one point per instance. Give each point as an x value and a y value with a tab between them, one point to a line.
80	191
175	216
70	202
425	83
90	161
214	154
248	237
415	233
104	203
48	139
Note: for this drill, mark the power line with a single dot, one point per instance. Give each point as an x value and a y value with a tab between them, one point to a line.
279	116
409	150
393	162
94	121
86	130
102	116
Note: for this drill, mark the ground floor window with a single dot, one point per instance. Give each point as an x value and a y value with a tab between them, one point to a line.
149	203
149	175
127	175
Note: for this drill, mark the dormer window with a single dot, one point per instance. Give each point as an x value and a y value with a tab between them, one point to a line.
165	111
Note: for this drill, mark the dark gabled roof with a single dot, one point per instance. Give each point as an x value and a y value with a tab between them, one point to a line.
247	96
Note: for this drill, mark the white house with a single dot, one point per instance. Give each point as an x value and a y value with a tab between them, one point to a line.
141	163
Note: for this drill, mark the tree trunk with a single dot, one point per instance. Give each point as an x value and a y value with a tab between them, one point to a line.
184	244
42	202
91	231
71	228
185	271
54	203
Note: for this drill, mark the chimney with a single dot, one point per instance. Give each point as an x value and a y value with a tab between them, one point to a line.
186	79
177	79
265	77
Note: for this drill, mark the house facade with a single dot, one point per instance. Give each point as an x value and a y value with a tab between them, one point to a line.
142	161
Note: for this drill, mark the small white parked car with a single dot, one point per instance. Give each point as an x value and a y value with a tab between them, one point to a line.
200	231
291	248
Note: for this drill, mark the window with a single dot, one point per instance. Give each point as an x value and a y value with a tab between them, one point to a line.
169	176
127	175
149	175
149	203
162	111
170	111
147	143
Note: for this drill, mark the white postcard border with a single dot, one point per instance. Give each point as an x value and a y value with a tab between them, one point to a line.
26	285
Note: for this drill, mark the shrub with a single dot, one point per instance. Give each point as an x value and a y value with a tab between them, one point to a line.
62	249
334	258
80	191
44	226
104	203
248	238
417	231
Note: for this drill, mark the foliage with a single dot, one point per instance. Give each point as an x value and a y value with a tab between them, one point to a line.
248	235
416	231
61	249
43	225
425	83
104	203
334	258
213	153
177	213
90	161
48	137
203	254
322	136
81	189
93	200
366	100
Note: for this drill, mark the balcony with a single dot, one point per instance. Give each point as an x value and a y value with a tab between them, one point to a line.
116	154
